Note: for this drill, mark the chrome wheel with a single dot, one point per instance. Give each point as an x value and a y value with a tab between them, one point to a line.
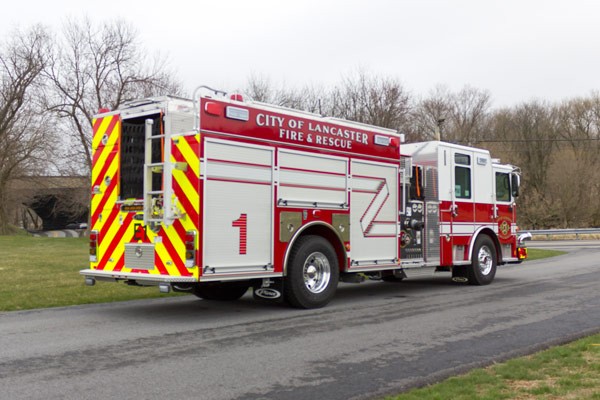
316	272
313	273
485	260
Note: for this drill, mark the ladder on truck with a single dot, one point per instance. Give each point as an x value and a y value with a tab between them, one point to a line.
164	166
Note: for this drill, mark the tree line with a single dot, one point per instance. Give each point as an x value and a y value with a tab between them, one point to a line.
556	145
52	83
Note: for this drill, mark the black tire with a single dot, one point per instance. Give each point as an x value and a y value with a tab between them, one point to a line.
391	278
226	291
483	262
312	273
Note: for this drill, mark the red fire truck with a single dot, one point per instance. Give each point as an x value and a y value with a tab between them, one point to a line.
216	195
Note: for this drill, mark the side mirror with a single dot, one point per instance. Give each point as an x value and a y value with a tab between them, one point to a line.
515	181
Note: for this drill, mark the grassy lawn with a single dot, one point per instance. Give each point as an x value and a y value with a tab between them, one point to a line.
565	372
538	254
43	272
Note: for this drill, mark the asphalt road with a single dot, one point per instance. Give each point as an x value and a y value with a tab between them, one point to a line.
374	338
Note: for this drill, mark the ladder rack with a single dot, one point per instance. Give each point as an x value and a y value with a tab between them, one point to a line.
166	215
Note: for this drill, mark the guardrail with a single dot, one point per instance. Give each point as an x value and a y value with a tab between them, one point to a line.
555	232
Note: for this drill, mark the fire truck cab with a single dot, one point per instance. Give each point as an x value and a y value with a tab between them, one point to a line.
469	211
216	195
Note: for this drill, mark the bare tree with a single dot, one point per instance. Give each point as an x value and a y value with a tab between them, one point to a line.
528	134
462	116
308	98
97	66
372	100
579	129
469	114
430	114
25	139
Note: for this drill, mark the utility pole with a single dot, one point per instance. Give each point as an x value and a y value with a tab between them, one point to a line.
438	129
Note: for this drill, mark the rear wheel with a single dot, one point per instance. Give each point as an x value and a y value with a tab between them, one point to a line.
483	262
312	274
392	276
225	291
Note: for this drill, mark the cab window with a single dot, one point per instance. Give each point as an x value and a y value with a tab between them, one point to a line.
462	176
502	186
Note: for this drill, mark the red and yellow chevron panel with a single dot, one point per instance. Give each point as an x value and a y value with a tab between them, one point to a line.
117	227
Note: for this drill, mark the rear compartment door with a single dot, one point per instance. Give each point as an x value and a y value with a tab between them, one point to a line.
238	208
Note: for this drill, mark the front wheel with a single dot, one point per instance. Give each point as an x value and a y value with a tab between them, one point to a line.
312	274
483	262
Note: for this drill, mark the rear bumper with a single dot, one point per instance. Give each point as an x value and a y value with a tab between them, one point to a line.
148	279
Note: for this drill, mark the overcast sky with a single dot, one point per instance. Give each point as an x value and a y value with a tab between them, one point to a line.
517	49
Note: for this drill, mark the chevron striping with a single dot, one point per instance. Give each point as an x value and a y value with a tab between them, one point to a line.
188	154
107	126
185	202
174	255
116	242
106	196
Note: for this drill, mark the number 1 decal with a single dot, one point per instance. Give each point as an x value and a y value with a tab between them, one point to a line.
242	223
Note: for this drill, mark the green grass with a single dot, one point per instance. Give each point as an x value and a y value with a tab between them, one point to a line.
538	254
565	372
44	272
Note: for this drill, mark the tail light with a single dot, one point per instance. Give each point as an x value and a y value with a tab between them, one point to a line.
522	253
93	246
190	249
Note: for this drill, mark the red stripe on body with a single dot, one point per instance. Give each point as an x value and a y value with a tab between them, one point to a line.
185	202
97	124
159	265
179	228
216	160
311	171
105	167
106	195
240	181
109	132
111	217
173	254
364	191
119	265
312	187
115	242
192	178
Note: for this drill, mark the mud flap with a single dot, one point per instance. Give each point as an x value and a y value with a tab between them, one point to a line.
270	290
460	274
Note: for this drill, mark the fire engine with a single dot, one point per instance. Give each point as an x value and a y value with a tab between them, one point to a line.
218	194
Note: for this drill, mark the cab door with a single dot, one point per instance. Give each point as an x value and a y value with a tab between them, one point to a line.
505	211
463	211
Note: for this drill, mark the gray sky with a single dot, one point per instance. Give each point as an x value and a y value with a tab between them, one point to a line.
517	49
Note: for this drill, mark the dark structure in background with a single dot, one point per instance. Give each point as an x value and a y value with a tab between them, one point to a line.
50	202
57	210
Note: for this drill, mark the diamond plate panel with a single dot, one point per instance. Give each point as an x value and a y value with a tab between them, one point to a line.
139	256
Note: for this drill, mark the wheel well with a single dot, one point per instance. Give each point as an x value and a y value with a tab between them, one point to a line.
327	232
490	233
